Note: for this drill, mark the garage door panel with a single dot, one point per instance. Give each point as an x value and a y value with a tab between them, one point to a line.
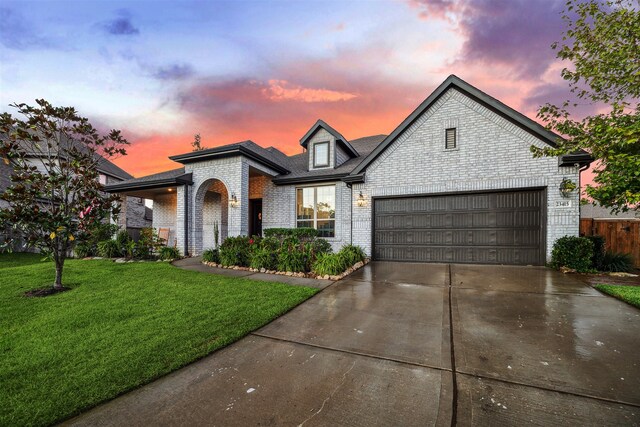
476	237
488	228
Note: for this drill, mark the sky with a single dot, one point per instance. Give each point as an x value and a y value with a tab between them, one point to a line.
162	71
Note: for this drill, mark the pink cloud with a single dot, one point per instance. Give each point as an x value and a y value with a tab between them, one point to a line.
282	90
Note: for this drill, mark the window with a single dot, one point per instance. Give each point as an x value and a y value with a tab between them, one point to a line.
102	179
320	154
450	139
316	208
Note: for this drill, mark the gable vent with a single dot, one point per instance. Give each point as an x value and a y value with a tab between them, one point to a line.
450	138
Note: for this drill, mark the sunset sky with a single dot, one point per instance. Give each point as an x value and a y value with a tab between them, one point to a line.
164	70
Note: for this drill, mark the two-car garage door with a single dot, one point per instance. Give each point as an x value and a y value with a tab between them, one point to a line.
482	228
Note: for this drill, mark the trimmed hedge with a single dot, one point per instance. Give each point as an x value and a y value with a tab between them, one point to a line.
572	252
302	233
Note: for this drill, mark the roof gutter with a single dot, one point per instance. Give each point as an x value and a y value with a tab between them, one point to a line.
150	185
222	152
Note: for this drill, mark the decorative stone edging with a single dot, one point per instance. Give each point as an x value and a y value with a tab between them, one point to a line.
310	275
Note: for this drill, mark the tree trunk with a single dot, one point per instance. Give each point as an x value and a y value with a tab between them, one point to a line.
59	265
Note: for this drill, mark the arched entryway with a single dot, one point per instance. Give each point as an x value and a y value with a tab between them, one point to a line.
211	206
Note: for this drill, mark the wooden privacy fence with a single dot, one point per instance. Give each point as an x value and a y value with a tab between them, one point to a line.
621	235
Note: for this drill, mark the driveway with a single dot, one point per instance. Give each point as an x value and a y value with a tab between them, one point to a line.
415	344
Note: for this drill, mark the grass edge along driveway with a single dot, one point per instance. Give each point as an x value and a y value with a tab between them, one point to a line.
628	294
121	326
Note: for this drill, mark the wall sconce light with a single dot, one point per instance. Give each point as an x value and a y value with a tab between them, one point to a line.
361	200
233	201
567	187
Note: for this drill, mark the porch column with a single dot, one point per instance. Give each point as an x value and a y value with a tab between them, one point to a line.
183	212
239	215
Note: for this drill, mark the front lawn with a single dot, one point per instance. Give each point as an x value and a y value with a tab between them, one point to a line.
121	326
629	294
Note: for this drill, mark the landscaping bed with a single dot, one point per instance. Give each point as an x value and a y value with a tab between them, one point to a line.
120	326
296	252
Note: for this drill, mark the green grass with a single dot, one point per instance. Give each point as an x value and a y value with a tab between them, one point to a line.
121	326
629	294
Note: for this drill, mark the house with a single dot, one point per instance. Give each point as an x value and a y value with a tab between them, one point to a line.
454	182
136	216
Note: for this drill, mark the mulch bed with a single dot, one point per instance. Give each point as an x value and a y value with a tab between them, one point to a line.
45	292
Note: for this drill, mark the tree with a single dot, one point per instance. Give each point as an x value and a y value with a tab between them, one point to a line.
55	195
197	144
602	42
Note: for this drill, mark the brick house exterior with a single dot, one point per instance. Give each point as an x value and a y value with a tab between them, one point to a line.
454	182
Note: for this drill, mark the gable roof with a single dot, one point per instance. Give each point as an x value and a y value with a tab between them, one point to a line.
477	95
247	148
321	124
298	164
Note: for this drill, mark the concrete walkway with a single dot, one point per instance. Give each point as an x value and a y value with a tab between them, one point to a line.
195	264
415	344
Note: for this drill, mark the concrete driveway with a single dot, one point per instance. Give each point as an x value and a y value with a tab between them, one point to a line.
415	344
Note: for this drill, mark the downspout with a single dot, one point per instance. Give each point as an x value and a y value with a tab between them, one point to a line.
186	220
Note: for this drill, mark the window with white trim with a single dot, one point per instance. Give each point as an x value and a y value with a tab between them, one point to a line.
320	154
316	208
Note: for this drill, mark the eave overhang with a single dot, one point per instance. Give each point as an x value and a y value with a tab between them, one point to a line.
227	151
185	179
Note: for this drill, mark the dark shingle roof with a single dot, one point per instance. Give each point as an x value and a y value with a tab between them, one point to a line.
299	163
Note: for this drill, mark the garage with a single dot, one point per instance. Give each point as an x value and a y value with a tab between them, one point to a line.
505	227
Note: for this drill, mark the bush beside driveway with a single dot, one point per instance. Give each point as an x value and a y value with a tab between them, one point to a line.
121	326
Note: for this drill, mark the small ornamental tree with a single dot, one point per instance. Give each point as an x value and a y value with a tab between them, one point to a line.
55	195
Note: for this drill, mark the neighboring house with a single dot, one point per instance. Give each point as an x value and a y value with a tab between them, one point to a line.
590	210
454	182
136	216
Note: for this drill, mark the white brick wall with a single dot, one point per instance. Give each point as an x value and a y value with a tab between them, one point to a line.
164	214
492	153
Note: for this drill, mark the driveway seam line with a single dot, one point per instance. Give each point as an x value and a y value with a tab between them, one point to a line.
454	398
538	387
355	353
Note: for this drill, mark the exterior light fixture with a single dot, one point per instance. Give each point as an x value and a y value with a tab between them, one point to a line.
169	189
233	201
361	200
567	187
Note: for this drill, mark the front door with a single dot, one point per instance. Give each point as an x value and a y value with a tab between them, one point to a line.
255	217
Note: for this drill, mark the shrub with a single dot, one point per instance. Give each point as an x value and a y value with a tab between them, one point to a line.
235	251
292	259
352	254
572	252
331	264
168	252
108	248
122	240
148	243
321	246
263	257
211	255
617	262
598	251
83	250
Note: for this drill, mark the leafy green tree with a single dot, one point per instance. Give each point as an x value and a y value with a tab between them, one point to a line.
602	43
55	194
